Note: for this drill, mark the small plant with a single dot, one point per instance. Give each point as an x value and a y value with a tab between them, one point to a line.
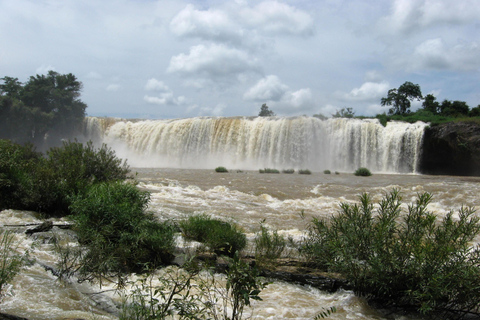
336	172
269	246
10	261
288	171
221	169
304	171
327	172
364	172
221	237
268	170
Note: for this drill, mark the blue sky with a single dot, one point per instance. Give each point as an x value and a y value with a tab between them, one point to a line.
177	59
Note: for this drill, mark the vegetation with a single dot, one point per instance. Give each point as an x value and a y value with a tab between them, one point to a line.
268	170
399	99
364	172
269	246
221	237
44	106
265	111
344	113
288	171
121	237
304	171
327	172
402	258
10	261
29	181
221	169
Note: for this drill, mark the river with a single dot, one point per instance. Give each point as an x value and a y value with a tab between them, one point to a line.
283	202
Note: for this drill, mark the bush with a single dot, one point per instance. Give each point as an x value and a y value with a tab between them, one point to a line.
364	172
111	221
269	246
402	259
220	236
288	171
305	171
221	169
10	261
268	170
327	172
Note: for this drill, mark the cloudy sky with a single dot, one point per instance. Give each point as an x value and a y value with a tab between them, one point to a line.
177	59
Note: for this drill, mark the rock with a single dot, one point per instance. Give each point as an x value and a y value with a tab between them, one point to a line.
4	316
451	149
45	226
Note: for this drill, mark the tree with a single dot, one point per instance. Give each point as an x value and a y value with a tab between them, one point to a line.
400	98
454	108
265	112
11	87
430	104
344	113
475	112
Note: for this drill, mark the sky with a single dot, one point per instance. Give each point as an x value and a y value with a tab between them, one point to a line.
167	59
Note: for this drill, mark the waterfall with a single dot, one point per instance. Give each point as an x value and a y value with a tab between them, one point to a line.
336	144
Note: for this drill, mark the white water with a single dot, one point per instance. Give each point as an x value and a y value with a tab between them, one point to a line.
252	143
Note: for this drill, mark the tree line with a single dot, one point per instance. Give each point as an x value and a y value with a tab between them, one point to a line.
46	107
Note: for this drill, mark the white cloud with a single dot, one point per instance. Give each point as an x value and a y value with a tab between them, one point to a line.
165	96
156	85
268	88
215	111
278	18
113	87
368	91
213	61
43	69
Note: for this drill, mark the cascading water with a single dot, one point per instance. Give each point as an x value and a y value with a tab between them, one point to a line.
252	143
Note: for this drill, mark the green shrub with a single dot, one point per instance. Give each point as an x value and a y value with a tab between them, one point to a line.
269	246
220	236
305	171
10	261
221	169
111	221
268	170
327	172
288	171
364	172
402	259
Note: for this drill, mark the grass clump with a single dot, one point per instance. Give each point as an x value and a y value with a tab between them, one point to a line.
304	171
288	171
327	172
363	172
404	259
221	237
221	169
268	170
10	261
120	236
269	246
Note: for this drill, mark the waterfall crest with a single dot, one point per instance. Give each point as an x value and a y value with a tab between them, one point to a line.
263	142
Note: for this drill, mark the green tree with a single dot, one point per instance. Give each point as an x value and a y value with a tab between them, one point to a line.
344	113
265	111
400	99
454	108
475	112
11	87
430	104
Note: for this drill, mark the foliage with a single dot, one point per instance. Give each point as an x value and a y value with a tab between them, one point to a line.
221	237
288	171
192	294
364	172
45	104
399	99
344	113
269	246
325	313
327	172
304	171
320	116
454	108
402	259
268	170
221	169
265	111
111	221
10	261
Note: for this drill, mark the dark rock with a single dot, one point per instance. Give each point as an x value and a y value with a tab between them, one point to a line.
4	316
451	149
45	226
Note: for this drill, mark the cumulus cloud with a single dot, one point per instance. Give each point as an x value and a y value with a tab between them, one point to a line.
213	61
271	89
278	18
409	16
164	95
368	91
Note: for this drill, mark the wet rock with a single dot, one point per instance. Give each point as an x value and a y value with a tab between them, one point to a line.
451	149
45	226
4	316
